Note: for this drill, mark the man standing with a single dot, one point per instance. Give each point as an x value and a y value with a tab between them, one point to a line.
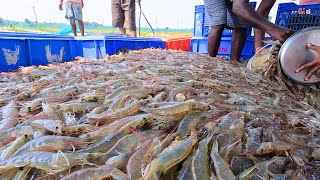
229	13
74	13
220	16
124	15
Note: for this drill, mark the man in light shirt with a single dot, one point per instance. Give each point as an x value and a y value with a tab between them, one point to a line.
74	13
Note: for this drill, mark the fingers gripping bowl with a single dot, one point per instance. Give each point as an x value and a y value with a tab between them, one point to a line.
294	53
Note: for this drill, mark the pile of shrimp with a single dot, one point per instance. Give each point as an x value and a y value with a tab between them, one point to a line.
155	114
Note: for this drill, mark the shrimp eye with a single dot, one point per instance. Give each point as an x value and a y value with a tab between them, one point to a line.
29	109
25	136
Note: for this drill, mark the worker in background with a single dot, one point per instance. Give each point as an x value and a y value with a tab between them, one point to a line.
73	14
244	11
124	15
220	15
264	9
234	14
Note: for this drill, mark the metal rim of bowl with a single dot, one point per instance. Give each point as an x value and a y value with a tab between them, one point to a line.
286	43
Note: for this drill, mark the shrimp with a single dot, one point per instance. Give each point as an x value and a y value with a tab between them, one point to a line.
101	172
76	130
14	146
54	126
186	170
131	142
50	162
22	174
113	127
170	157
119	161
10	116
51	111
190	122
51	143
254	139
118	91
9	174
138	161
316	153
130	110
118	102
200	161
31	106
10	135
97	96
76	107
222	168
112	139
160	97
268	147
183	107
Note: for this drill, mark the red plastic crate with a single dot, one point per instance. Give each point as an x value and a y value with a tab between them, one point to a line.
179	44
307	2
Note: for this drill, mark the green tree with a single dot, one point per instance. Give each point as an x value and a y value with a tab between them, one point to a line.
2	21
27	21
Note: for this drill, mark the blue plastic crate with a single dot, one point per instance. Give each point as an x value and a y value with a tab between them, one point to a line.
91	47
297	17
13	54
199	15
44	51
201	28
32	35
200	44
115	45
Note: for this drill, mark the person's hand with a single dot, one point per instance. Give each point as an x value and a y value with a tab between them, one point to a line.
282	34
315	64
61	6
81	4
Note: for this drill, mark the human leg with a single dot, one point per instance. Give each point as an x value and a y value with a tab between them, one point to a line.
81	27
263	10
118	16
239	33
216	17
237	44
129	8
71	17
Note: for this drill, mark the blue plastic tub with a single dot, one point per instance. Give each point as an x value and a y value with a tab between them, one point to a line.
13	54
32	35
298	17
44	51
202	28
200	44
90	47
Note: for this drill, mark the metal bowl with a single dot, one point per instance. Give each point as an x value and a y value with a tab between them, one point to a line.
294	53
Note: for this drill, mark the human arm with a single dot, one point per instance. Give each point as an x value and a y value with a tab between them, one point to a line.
61	5
81	3
315	64
243	10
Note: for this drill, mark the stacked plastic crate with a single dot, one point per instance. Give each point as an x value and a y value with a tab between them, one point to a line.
199	43
30	49
298	17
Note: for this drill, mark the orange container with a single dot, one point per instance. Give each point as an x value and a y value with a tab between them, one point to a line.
307	2
179	44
